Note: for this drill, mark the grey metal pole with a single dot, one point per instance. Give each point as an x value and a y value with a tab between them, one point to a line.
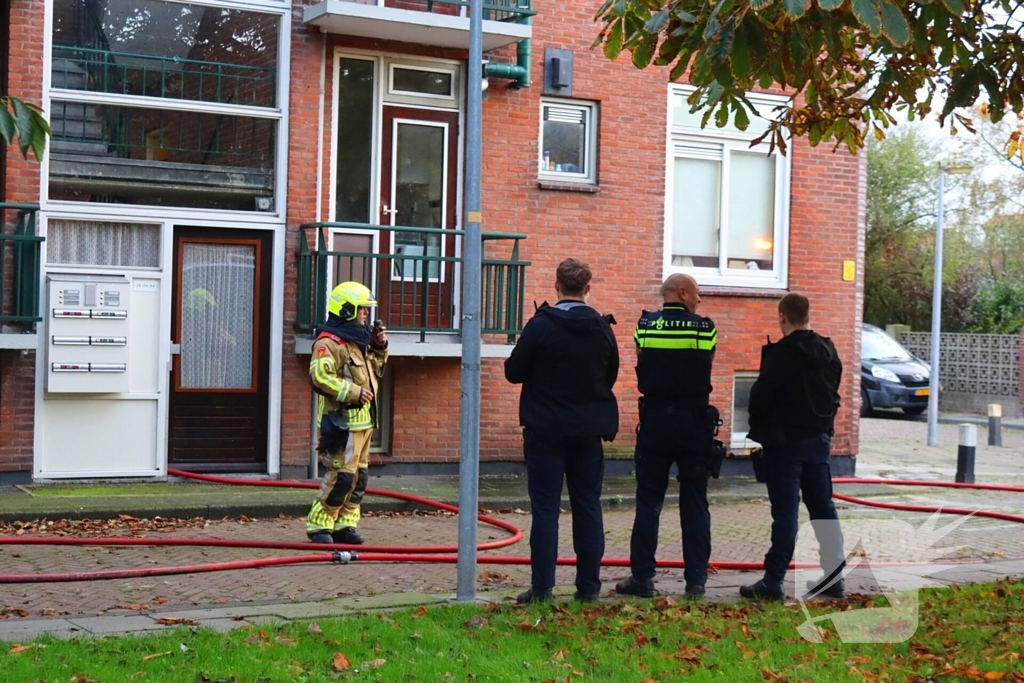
472	263
933	382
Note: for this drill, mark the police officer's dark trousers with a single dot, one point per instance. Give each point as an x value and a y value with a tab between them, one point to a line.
801	466
580	460
660	444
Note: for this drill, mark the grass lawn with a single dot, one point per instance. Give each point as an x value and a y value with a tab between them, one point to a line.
968	633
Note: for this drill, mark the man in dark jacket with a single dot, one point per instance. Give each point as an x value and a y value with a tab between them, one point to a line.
792	411
567	360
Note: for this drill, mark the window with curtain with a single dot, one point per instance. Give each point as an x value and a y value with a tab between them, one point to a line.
95	243
727	218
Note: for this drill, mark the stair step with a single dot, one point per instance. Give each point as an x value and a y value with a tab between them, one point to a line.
93	149
68	66
90	130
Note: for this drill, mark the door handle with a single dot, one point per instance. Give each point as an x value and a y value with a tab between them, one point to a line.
175	349
390	212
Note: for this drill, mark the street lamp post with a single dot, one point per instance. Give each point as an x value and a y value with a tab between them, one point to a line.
933	381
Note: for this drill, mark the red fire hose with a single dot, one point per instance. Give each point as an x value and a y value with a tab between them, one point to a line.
432	554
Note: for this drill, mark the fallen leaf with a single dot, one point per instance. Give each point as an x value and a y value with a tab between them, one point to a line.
158	601
421	612
641	639
154	656
287	642
314	629
560	654
135	607
341	662
172	621
376	664
18	649
994	675
477	621
859	659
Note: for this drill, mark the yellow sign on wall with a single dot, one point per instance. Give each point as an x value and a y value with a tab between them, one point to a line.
849	270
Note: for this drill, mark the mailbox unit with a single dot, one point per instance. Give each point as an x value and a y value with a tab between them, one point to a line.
87	334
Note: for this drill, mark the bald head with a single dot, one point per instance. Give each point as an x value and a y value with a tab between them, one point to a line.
680	288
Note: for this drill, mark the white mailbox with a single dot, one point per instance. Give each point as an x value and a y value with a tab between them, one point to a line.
87	333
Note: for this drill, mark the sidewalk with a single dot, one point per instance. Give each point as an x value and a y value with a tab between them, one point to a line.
740	519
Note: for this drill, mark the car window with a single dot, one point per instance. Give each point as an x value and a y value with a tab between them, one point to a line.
876	345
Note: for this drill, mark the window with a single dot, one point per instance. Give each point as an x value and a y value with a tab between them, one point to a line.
727	218
568	141
741	385
90	243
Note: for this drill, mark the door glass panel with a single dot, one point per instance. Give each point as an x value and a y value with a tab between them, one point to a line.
419	196
217	316
355	137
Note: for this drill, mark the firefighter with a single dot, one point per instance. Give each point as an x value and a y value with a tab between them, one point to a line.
675	349
348	360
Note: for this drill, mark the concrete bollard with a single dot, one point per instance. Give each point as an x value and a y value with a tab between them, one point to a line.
995	424
965	454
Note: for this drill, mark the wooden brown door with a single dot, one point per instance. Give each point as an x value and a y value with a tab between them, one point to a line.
221	338
419	164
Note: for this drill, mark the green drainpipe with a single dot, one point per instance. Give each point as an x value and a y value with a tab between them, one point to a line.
520	71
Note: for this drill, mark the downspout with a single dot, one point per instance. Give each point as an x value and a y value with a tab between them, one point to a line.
520	71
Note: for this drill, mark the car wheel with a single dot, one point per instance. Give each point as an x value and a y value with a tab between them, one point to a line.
915	410
865	404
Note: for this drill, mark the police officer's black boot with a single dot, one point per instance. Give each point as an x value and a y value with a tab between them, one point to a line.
764	589
634	586
535	595
347	535
818	589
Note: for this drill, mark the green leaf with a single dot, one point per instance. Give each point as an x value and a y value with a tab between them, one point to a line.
894	24
619	8
720	50
701	70
605	6
921	41
794	8
711	29
814	134
867	14
23	120
798	50
765	81
684	16
613	43
644	51
963	90
40	131
739	56
680	67
742	120
829	5
657	22
7	129
955	7
760	4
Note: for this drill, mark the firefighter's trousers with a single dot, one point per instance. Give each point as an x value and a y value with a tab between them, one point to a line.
341	491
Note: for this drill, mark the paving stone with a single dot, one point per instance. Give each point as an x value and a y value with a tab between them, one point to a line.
28	629
117	624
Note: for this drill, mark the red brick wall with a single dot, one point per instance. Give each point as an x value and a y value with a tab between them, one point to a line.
17	371
618	231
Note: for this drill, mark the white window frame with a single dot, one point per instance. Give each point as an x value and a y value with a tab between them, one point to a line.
738	437
451	72
730	140
589	176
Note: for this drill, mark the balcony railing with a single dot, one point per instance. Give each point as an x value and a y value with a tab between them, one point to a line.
515	11
19	266
416	292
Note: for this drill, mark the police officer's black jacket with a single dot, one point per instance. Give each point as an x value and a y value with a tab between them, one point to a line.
674	363
567	360
796	394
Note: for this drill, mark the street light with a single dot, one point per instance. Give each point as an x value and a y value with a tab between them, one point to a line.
933	382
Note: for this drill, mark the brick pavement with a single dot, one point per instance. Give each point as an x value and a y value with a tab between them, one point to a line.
740	533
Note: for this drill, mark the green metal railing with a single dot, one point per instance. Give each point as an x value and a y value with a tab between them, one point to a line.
514	11
418	299
126	73
19	250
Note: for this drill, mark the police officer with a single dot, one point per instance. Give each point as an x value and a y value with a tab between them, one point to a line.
348	359
567	360
675	348
792	410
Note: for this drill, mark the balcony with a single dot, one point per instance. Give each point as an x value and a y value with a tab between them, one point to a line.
19	276
417	288
440	23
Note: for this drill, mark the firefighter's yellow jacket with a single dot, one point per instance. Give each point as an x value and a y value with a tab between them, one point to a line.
338	370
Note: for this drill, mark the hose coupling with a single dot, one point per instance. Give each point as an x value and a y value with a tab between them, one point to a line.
343	557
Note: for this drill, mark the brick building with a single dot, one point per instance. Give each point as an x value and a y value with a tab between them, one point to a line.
217	165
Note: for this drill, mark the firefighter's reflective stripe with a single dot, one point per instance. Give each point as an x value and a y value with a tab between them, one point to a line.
350	518
359	417
325	375
319	519
319	410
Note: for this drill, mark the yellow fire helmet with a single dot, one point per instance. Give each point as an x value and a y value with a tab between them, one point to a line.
346	299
